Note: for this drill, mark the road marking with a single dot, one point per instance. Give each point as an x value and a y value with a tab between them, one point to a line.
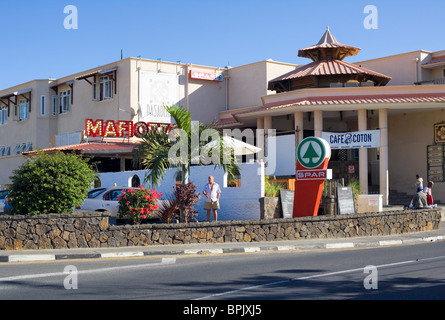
285	248
122	254
390	242
339	245
334	273
164	261
32	258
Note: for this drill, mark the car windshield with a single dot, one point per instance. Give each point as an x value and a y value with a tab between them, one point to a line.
3	194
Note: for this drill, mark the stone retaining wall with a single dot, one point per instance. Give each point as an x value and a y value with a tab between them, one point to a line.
92	230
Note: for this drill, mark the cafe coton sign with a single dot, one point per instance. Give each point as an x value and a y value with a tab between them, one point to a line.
121	129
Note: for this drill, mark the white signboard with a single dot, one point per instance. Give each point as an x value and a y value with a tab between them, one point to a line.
353	140
158	89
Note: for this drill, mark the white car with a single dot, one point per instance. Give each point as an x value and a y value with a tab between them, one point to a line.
102	199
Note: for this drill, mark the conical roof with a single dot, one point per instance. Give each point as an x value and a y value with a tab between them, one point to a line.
328	48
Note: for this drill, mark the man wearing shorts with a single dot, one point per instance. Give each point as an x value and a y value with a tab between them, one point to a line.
212	192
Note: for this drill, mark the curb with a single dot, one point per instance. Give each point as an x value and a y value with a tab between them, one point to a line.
36	257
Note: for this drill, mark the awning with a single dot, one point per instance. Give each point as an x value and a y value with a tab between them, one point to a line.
92	148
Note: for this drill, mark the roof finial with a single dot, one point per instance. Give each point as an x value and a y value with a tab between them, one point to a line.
327	28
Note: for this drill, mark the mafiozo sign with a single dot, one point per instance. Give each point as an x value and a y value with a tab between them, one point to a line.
122	129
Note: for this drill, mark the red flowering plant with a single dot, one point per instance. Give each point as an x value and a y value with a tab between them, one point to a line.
138	204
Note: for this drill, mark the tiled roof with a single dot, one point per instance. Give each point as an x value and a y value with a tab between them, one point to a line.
227	122
328	41
91	147
436	60
344	100
327	68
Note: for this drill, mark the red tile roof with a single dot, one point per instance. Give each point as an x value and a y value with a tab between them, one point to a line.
327	68
344	100
436	60
227	122
112	147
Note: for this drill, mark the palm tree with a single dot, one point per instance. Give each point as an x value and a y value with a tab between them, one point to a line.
157	152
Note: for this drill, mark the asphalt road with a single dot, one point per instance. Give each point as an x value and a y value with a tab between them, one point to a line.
400	272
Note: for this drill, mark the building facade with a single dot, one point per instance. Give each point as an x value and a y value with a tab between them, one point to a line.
401	96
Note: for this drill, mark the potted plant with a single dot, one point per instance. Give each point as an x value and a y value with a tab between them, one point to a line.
270	205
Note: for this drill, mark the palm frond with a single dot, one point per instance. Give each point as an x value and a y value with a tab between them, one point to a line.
152	153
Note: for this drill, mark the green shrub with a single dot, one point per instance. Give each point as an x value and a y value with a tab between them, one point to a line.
50	184
272	189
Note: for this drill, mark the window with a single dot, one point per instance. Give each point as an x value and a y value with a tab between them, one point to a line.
65	101
95	92
55	105
3	115
103	90
23	110
42	106
443	73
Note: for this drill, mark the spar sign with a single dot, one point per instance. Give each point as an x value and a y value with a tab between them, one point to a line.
313	156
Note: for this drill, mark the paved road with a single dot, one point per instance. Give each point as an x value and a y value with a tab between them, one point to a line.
401	272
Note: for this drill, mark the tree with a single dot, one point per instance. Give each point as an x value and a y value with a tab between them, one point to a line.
158	151
50	184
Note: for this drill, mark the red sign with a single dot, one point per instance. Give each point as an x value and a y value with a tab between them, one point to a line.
121	129
203	75
313	156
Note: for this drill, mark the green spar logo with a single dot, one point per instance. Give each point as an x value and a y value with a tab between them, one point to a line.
311	153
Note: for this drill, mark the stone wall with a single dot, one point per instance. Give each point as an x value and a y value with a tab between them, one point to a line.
91	230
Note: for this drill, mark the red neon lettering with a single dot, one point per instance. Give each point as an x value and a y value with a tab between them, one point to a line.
110	129
93	129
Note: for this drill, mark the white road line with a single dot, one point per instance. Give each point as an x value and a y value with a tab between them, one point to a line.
309	277
390	242
122	254
165	261
31	258
339	245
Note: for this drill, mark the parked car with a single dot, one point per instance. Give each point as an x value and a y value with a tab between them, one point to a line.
3	196
103	199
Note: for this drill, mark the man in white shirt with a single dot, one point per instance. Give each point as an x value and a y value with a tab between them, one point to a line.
212	191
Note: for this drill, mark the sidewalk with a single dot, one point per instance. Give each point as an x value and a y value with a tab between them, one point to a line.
222	248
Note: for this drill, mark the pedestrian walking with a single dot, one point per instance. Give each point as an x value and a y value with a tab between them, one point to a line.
212	192
429	194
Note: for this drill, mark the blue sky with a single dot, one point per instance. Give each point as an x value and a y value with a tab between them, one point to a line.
215	33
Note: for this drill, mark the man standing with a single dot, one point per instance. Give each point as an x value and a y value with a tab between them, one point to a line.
212	191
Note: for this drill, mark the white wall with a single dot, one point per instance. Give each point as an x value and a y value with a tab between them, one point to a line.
280	160
236	203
